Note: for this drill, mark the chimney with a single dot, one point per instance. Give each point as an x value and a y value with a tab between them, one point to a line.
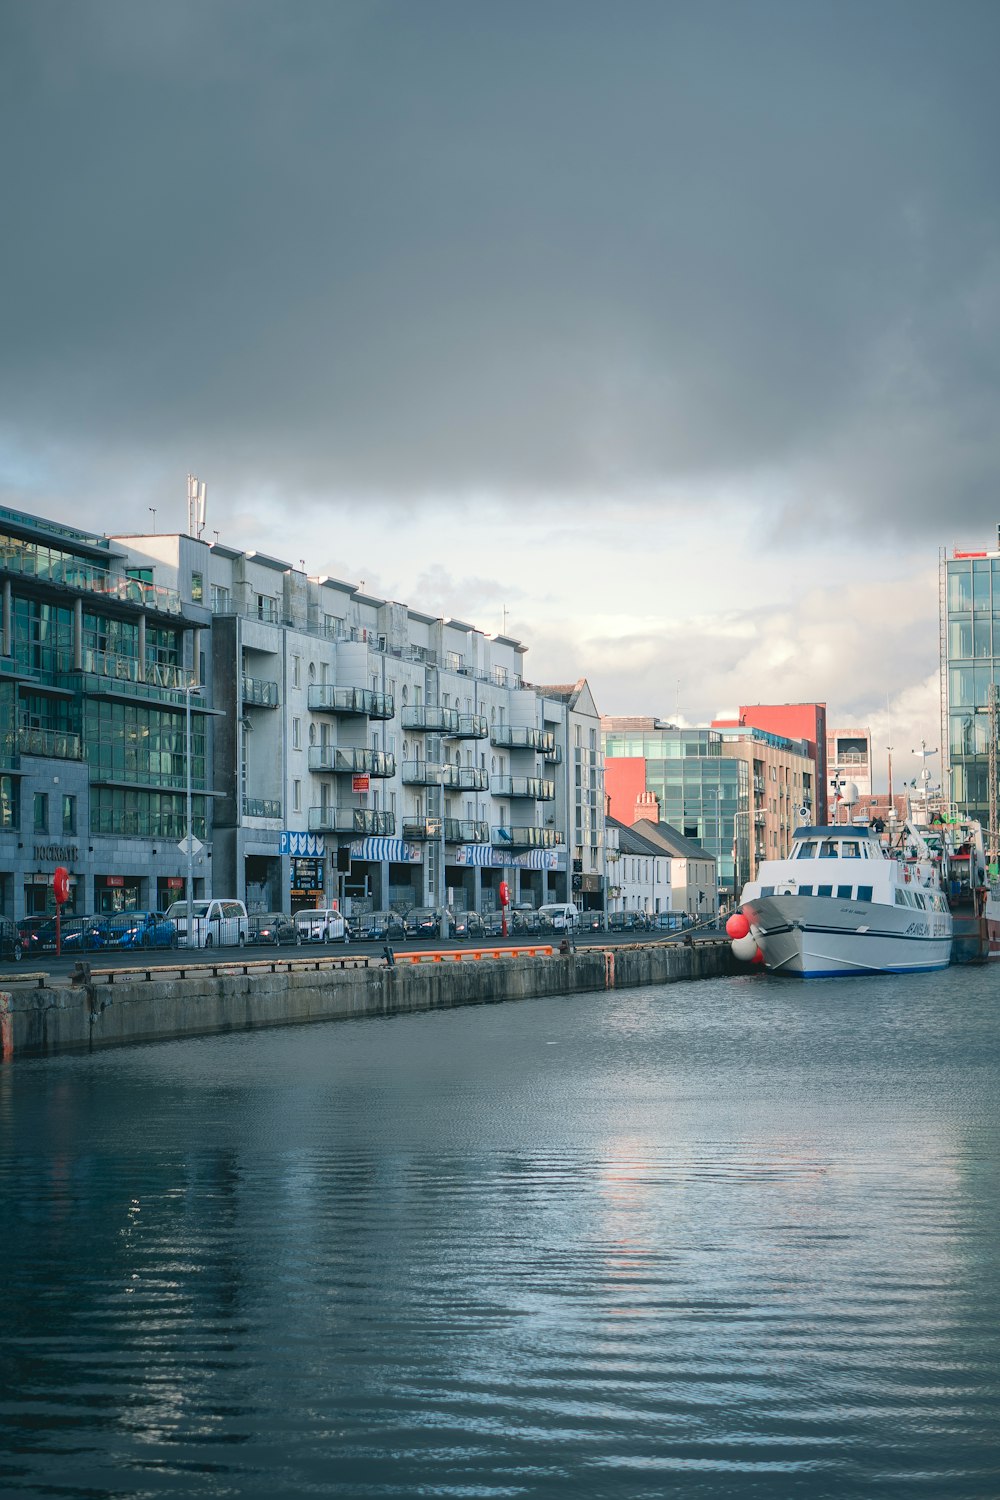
647	805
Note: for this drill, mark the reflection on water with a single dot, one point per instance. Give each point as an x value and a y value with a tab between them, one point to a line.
727	1238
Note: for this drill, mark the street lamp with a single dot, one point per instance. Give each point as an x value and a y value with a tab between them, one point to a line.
189	838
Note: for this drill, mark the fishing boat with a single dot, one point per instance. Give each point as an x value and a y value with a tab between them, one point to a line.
844	902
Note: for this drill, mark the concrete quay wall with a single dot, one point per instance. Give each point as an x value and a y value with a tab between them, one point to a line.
49	1019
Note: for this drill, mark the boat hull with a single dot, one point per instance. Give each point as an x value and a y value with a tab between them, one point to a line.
818	937
991	915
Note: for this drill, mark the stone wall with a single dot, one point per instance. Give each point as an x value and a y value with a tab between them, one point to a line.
49	1019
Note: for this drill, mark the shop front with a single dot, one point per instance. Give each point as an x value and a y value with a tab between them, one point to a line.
113	893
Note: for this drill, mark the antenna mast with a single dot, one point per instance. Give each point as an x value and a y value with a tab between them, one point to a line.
196	506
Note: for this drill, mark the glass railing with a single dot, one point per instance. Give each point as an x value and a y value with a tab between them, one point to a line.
519	837
130	669
261	807
325	698
429	719
466	831
260	693
57	743
358	820
472	727
73	573
535	787
513	737
468	778
360	762
425	773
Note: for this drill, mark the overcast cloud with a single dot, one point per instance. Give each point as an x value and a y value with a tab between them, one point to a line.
608	310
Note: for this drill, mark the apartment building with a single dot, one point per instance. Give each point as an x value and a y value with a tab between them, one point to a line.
782	788
849	758
104	717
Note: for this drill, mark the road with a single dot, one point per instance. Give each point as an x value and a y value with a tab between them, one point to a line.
171	958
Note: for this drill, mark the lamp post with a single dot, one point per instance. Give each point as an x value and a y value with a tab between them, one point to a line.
189	840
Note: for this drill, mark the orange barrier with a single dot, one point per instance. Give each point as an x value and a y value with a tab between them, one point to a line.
438	955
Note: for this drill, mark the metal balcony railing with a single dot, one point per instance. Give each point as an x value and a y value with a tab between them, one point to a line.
466	831
519	837
425	773
55	743
471	727
261	807
344	762
326	699
513	737
30	561
115	668
356	820
535	787
260	693
427	718
553	754
468	779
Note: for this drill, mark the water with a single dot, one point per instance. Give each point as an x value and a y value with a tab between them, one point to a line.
730	1238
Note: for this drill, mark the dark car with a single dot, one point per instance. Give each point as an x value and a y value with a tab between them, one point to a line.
379	927
493	924
11	945
274	928
422	922
627	921
140	929
38	934
591	921
526	919
84	934
466	924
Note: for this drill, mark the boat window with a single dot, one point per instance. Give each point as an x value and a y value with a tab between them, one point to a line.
805	890
824	890
807	849
849	849
900	897
767	890
844	892
865	892
828	849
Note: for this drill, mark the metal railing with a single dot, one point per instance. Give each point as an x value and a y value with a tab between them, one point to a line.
57	743
261	807
520	837
260	693
325	698
116	668
425	773
514	737
427	718
358	820
535	787
358	762
31	562
468	779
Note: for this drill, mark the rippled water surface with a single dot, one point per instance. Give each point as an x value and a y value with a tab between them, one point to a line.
732	1238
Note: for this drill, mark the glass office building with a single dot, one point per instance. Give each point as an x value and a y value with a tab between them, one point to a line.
970	657
703	792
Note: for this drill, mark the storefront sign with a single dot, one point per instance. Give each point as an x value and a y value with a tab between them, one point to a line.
67	854
306	879
114	880
301	844
175	883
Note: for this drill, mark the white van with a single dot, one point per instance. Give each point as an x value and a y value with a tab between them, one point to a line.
216	924
560	917
322	924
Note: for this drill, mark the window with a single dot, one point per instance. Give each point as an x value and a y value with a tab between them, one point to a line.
220	599
41	819
296	796
197	588
824	890
296	671
296	734
844	892
69	814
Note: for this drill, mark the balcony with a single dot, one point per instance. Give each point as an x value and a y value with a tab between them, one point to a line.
130	670
425	773
429	719
535	787
259	693
28	560
471	727
467	779
325	699
55	744
355	820
466	831
262	807
527	838
759	818
553	753
512	737
351	762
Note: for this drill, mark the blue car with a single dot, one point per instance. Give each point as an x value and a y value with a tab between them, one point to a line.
142	929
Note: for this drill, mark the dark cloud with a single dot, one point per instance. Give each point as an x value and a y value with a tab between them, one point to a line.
404	251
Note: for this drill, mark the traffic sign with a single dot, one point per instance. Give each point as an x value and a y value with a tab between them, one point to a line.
190	845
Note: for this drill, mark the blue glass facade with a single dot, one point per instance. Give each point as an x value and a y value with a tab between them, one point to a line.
972	658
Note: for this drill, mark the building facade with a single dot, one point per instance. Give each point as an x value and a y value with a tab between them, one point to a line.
849	758
782	788
970	666
702	790
805	722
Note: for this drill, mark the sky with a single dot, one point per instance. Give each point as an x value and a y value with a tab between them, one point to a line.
663	335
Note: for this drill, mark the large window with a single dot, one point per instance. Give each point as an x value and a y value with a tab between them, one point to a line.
130	742
135	813
40	817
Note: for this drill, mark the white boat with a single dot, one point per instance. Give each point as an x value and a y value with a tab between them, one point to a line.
844	903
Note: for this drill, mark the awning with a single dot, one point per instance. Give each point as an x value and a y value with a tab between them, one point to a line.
395	851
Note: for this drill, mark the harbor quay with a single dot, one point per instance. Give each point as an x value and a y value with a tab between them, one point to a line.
42	1016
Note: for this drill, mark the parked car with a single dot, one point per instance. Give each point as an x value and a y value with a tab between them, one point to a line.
276	929
38	934
380	927
11	945
140	929
592	921
559	916
322	924
84	934
627	921
526	918
215	924
493	924
422	922
466	924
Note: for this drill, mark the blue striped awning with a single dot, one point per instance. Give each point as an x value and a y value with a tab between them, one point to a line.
395	851
475	854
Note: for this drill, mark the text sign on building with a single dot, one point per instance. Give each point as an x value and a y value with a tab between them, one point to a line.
117	881
360	783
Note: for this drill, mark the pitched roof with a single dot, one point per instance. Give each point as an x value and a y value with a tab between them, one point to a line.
666	837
